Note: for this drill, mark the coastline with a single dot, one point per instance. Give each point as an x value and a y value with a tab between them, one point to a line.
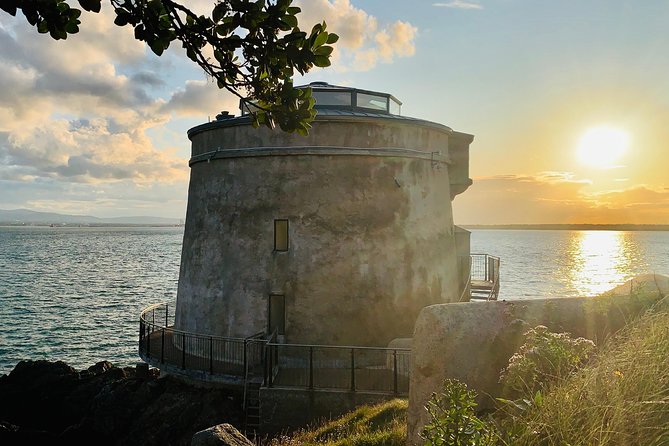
571	227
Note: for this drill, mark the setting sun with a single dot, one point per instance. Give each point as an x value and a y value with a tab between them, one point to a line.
602	146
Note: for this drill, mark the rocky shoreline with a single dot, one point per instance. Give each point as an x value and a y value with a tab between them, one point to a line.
43	401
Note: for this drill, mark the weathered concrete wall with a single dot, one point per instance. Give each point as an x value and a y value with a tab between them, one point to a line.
473	341
459	168
284	410
371	237
463	254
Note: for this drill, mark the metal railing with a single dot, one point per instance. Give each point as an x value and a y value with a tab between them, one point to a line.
484	276
350	368
160	343
262	358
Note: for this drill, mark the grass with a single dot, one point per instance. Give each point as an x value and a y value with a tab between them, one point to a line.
379	425
621	399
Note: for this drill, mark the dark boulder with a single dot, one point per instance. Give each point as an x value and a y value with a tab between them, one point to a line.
51	401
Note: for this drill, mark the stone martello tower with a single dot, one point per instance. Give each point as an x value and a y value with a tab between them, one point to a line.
340	237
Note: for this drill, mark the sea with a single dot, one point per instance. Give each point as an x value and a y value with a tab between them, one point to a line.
75	294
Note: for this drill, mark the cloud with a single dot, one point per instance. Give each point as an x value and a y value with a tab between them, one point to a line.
557	197
104	200
89	151
96	116
459	4
74	117
200	97
363	42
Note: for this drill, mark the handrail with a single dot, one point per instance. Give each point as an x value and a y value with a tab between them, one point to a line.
487	271
348	347
256	358
174	330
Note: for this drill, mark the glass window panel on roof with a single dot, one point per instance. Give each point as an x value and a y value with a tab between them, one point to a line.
372	101
332	97
395	107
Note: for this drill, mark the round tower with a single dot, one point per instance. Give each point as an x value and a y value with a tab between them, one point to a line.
339	237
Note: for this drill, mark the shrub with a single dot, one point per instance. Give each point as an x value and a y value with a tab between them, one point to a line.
453	418
545	357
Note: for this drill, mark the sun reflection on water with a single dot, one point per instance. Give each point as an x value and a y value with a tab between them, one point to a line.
600	260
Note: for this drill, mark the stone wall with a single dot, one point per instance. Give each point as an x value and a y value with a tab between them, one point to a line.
284	410
473	341
371	237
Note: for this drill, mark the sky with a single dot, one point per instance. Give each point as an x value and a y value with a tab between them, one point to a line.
568	101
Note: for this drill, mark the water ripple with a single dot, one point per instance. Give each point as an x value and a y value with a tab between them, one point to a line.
75	293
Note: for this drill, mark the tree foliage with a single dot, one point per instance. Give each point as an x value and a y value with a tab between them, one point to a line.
256	45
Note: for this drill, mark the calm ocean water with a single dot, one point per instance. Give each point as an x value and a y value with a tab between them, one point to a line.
75	293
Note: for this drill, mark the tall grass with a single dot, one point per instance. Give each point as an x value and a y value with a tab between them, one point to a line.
621	399
379	425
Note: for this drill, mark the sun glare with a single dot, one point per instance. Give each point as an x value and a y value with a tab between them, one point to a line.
602	146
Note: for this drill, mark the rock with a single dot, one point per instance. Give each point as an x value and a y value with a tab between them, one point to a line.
220	435
142	370
473	341
42	399
642	284
100	367
13	435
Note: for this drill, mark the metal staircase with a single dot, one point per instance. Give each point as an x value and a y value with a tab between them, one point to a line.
252	407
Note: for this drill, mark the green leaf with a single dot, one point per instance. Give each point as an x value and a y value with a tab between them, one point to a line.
91	5
323	51
72	28
290	20
320	39
43	27
9	6
122	18
322	61
157	47
219	11
538	399
332	38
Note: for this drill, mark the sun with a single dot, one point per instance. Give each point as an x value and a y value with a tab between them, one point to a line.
602	146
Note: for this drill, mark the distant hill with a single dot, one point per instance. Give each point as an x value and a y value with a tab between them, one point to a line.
28	217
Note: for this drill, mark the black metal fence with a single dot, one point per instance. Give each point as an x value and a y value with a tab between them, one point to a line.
351	368
260	357
160	342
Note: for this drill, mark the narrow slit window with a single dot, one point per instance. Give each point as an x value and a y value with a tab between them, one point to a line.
281	235
277	313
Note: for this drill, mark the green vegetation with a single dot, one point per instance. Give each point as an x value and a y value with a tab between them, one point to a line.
622	398
545	357
619	397
454	420
379	425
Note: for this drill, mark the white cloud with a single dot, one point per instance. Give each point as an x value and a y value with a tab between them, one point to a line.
74	117
363	42
89	151
459	4
198	98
